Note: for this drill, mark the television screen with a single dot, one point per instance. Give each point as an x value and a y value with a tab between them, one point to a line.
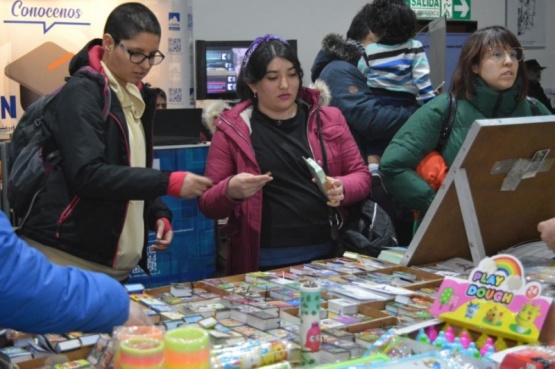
217	67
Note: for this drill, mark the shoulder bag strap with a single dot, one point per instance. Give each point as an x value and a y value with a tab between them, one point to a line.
447	123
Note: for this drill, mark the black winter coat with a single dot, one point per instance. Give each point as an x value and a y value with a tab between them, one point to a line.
83	206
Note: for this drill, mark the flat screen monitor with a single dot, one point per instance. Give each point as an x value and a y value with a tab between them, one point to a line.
217	65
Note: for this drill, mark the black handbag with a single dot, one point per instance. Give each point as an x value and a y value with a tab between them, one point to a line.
367	228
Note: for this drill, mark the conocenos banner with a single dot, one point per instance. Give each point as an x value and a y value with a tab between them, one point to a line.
38	39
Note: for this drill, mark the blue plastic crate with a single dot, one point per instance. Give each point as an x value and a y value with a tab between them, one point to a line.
192	159
190	257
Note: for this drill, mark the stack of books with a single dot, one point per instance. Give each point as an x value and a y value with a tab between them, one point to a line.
392	254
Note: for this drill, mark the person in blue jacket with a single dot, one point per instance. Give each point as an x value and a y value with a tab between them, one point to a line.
373	122
38	296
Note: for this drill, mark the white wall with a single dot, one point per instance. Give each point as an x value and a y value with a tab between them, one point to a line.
308	21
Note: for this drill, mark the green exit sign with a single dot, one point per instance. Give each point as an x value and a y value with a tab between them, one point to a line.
451	9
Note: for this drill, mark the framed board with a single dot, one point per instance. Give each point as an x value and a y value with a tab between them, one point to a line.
501	184
526	19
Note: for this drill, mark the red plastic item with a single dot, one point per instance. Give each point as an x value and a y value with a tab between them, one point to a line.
540	357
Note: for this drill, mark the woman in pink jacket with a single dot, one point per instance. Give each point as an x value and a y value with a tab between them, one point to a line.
277	215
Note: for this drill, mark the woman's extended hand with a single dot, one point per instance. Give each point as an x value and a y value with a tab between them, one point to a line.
547	232
194	185
335	191
164	236
244	185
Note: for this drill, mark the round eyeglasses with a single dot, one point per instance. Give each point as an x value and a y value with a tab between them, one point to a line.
137	57
499	55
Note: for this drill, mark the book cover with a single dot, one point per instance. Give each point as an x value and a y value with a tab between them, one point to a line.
172	324
74	364
14	354
343	306
134	287
170	299
254	334
293	302
367	337
354	348
394	256
318	174
265	305
171	315
192	318
330	353
280	304
284	294
153	315
346	319
207	308
57	342
241	312
225	338
102	354
254	276
339	334
263	320
20	339
150	301
181	289
230	323
234	299
67	345
280	333
208	295
330	323
38	351
86	339
163	308
98	349
207	323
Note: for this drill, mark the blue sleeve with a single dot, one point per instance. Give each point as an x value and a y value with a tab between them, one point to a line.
361	107
421	73
38	296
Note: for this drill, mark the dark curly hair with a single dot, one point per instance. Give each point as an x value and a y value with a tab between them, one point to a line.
393	21
358	30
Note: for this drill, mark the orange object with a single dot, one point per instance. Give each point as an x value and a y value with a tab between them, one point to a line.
433	169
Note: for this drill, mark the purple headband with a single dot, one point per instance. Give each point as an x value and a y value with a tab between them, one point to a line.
257	43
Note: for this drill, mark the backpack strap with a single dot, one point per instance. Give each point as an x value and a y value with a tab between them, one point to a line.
106	92
336	222
533	105
447	123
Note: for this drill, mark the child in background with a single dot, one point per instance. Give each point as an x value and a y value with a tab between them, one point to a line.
395	64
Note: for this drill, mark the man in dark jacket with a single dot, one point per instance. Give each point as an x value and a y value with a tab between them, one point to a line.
372	123
535	89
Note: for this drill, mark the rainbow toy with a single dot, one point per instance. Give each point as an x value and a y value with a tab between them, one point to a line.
495	299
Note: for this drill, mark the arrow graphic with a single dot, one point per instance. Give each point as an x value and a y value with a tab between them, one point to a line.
463	8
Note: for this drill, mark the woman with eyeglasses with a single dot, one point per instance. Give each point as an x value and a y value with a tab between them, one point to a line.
96	207
277	215
489	81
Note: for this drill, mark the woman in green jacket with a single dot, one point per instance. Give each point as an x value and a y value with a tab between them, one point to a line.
489	82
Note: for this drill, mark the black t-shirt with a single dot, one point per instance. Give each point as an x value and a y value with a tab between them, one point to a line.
294	211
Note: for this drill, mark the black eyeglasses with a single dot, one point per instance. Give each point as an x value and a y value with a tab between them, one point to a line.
137	57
